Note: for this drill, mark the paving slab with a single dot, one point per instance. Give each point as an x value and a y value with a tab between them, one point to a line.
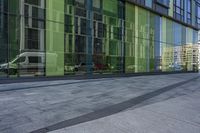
175	115
26	107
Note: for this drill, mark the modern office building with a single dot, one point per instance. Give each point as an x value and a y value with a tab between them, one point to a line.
73	37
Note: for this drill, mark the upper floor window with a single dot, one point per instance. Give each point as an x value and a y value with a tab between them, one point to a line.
80	3
163	2
39	3
34	16
189	6
69	2
32	38
198	15
189	12
97	4
178	3
178	9
148	3
33	2
141	2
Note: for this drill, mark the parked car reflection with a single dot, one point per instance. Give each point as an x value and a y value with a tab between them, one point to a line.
29	63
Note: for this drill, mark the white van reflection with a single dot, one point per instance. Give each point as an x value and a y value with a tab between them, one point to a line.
29	62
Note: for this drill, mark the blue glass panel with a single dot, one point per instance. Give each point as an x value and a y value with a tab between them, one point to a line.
148	3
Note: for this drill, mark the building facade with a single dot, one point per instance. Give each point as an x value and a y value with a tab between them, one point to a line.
74	37
199	37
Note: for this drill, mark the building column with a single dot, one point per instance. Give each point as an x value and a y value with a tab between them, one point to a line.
89	28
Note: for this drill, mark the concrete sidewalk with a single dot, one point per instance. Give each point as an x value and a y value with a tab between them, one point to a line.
176	115
26	107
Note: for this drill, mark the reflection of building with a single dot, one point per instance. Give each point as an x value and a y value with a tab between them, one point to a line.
199	37
196	56
32	25
185	57
107	36
3	21
199	54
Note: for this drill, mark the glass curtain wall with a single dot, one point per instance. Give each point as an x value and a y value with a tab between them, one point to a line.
140	40
106	39
130	51
3	36
167	45
70	56
13	36
22	31
75	37
9	37
32	43
112	36
154	43
55	37
78	44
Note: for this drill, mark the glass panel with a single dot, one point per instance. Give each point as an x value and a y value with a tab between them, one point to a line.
152	40
69	37
3	41
70	24
130	39
142	42
13	37
148	3
55	38
167	45
33	2
97	4
112	59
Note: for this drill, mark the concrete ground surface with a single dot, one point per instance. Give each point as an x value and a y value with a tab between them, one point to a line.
144	104
176	115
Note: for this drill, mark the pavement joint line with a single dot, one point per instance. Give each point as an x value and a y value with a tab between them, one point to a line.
113	109
43	86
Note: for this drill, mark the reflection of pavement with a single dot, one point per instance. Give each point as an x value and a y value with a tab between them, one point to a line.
26	107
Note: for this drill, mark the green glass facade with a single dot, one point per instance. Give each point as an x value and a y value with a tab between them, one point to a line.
75	37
